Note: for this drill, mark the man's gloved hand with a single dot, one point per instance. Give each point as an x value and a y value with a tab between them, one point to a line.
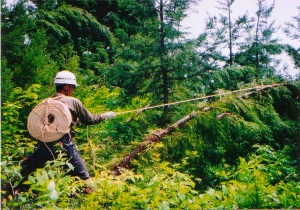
108	115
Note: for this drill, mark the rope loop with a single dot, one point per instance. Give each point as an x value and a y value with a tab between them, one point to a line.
49	120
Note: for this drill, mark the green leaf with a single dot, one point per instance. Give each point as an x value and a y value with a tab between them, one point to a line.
40	179
31	179
27	182
65	179
45	175
71	167
181	196
3	177
51	173
225	190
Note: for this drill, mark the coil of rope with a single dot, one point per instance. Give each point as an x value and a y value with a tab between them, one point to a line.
49	120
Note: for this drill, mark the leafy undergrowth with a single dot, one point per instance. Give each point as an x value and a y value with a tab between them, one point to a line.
265	179
209	163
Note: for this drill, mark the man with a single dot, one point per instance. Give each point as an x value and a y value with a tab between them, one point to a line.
65	82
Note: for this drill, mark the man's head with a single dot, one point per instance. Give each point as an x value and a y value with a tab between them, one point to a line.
65	82
65	77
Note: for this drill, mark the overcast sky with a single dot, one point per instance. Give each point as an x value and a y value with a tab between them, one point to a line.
283	11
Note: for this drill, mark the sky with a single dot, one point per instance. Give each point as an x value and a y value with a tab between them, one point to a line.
283	11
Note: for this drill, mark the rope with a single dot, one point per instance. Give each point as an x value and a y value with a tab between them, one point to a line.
48	130
201	98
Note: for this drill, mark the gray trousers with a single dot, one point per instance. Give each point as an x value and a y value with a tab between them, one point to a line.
44	153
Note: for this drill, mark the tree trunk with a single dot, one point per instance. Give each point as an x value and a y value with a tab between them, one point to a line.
230	36
156	137
163	68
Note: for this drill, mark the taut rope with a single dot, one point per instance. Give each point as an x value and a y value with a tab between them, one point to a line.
201	98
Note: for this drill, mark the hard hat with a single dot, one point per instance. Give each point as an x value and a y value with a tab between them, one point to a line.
65	77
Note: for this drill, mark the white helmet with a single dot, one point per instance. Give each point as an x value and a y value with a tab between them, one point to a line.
65	77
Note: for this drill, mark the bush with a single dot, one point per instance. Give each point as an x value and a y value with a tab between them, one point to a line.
268	179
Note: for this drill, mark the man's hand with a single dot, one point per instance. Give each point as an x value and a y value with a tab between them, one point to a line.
108	115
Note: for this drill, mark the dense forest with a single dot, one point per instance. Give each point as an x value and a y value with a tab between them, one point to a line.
204	123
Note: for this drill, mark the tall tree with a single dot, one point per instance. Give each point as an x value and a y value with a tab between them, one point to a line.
75	24
260	46
292	30
23	44
171	13
155	57
38	41
226	6
218	45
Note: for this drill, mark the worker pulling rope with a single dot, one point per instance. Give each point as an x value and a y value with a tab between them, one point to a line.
201	98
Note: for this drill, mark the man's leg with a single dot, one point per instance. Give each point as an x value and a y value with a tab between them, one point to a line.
76	160
34	161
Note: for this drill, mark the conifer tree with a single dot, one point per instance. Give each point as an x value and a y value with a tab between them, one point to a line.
154	57
292	30
260	45
218	45
169	35
24	44
226	6
39	39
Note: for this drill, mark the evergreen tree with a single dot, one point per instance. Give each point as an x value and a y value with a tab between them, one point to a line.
36	42
75	24
24	45
260	46
292	30
170	48
218	45
152	57
226	6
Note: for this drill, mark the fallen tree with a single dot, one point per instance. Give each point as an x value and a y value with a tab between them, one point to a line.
150	139
156	136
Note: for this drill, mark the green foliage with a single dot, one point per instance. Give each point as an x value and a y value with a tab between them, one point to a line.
49	187
6	81
67	22
291	30
36	67
202	149
262	181
15	137
130	191
229	78
265	179
115	49
228	131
